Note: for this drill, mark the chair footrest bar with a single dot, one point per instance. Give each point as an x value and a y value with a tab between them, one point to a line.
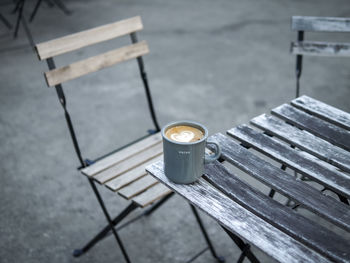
197	255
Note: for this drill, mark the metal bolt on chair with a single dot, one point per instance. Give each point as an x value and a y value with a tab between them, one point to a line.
123	170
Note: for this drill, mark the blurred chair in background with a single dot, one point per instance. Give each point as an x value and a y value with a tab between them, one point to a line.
301	47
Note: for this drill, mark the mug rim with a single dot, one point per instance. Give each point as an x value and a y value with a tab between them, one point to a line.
187	123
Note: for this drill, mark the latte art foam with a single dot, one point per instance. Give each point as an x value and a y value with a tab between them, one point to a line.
184	134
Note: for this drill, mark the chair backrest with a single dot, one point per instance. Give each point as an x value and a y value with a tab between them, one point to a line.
320	24
86	38
56	76
303	24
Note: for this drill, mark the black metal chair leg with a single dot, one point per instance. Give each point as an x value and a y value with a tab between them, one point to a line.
272	191
105	230
28	33
99	198
62	7
157	205
205	234
18	4
343	199
245	248
49	3
19	17
35	10
5	21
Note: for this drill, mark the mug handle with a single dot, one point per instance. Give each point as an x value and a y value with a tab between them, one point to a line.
212	158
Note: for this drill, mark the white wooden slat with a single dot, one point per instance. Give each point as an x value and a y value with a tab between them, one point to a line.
317	48
325	24
239	220
307	196
323	111
130	176
302	162
311	234
328	131
95	63
89	37
128	164
304	140
151	195
137	187
122	155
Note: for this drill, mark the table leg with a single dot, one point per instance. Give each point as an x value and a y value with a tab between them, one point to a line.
206	236
245	248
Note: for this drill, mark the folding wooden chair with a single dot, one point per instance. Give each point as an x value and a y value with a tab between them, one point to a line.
301	24
122	171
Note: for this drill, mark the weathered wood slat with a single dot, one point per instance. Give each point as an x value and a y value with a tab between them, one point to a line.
321	128
316	48
130	176
95	63
304	140
137	186
151	195
323	111
128	164
304	194
239	220
122	155
88	37
302	162
289	221
326	24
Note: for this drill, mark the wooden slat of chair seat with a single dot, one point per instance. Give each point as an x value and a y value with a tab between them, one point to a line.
95	63
129	164
316	48
323	111
121	155
321	128
130	176
151	195
325	24
304	140
302	162
137	187
88	37
274	177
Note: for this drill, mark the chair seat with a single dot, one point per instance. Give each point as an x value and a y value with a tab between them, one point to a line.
124	171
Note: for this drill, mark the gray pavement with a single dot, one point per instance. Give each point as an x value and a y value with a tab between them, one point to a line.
217	62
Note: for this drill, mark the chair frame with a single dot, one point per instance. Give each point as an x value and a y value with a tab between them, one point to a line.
302	24
112	223
20	19
5	22
59	4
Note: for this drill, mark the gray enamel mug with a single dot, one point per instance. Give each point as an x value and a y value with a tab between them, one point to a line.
184	161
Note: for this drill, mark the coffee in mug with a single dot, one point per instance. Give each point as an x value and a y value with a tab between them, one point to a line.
184	133
184	151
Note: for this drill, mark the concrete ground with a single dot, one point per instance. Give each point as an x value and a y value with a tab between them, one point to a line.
217	62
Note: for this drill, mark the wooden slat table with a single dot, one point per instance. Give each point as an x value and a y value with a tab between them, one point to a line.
307	136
